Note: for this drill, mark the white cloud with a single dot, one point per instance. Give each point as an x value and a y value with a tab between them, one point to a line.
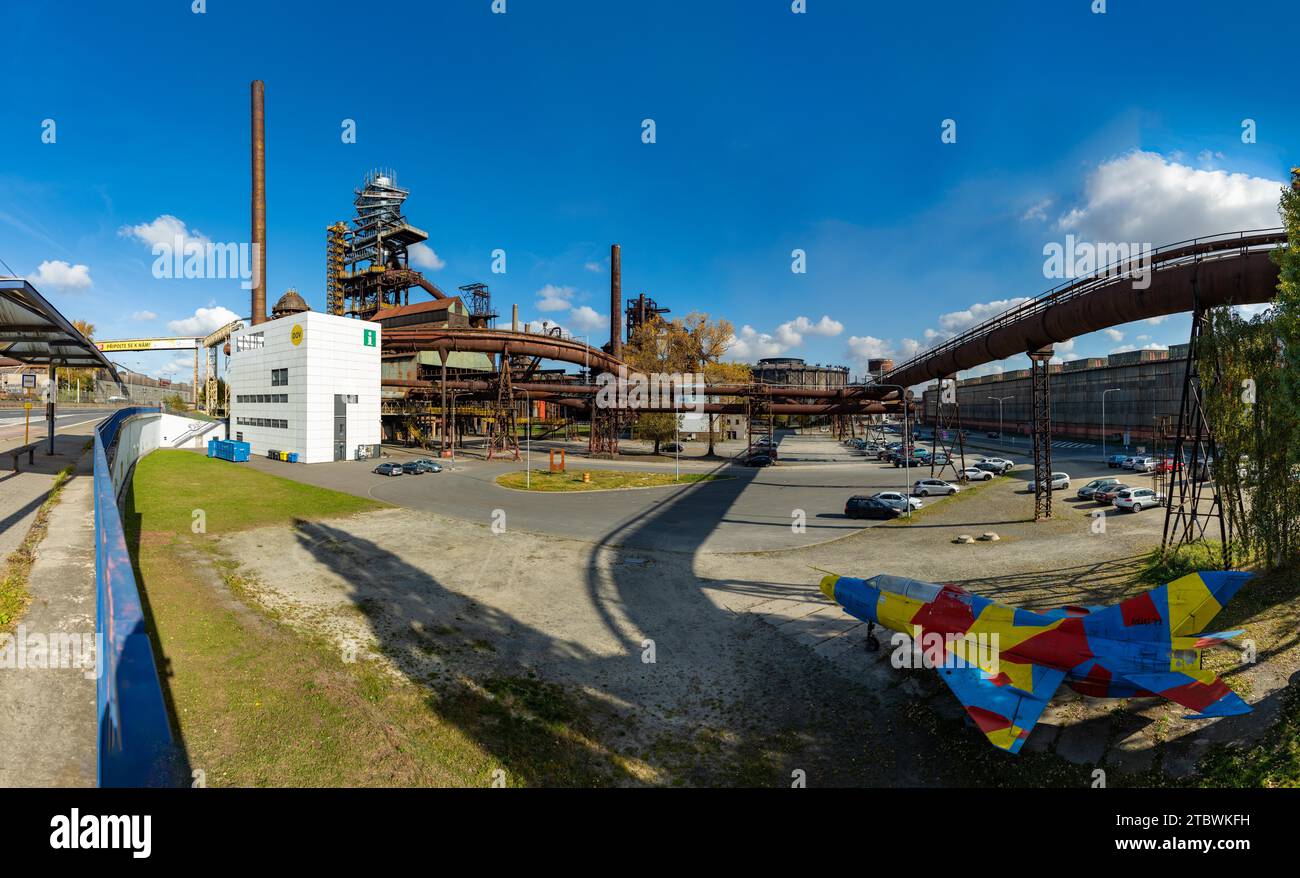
179	370
164	230
1037	211
423	256
1115	334
1142	197
955	322
751	345
553	298
144	316
584	318
594	267
60	275
868	347
204	321
792	332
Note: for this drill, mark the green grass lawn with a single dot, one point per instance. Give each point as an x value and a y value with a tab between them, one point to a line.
601	480
170	485
259	704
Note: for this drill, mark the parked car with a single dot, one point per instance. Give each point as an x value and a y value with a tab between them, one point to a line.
412	468
1137	499
993	434
428	466
1106	496
897	500
760	460
1115	461
926	487
1088	490
1129	462
388	469
975	474
866	507
999	465
673	448
1060	482
940	459
1144	465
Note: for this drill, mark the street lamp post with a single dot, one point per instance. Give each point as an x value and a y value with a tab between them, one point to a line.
1002	439
1103	419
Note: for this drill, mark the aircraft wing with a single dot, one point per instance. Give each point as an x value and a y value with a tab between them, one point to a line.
1199	690
1005	713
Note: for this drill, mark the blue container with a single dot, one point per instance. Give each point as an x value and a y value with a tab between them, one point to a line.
212	448
293	457
239	451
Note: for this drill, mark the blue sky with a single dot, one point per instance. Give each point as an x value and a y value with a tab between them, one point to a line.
522	131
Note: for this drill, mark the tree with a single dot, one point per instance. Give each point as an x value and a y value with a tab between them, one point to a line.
660	347
82	379
1253	404
710	341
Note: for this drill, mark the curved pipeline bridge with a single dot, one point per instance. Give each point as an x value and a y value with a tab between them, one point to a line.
1229	269
1233	268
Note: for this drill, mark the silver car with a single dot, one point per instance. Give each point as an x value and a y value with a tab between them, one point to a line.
897	500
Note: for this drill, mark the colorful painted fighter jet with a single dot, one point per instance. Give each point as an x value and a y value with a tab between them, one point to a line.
1144	646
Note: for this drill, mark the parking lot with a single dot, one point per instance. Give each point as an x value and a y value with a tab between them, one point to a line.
713	574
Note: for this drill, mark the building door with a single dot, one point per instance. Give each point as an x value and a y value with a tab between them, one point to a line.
340	427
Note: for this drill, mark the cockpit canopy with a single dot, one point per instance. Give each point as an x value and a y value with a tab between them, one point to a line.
908	588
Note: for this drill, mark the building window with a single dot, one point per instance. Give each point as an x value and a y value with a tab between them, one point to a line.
261	397
250	341
274	423
279	377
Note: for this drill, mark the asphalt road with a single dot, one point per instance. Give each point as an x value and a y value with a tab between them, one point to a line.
754	510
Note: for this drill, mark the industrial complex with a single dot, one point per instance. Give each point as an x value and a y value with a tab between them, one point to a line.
382	526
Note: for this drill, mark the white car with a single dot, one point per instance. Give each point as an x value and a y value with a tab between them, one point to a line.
1129	462
896	500
1144	465
1060	482
1002	462
977	475
926	487
1137	499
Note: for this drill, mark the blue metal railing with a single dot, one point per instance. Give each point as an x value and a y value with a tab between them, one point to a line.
136	748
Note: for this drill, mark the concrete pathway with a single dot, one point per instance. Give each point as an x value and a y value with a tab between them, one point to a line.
47	716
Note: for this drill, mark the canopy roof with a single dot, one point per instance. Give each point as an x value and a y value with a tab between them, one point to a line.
32	331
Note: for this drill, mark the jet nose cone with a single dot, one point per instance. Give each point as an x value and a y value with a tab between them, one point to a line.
828	585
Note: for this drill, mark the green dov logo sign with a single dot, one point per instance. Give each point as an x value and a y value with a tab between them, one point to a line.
368	336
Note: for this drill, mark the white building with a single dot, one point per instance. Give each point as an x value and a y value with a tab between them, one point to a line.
308	383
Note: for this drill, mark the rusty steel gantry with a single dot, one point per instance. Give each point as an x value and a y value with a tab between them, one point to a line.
1040	374
1189	473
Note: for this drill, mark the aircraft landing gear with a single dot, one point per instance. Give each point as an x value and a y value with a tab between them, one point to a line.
871	644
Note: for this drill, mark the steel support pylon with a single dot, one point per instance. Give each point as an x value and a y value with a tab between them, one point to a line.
948	436
1040	371
503	430
1194	448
